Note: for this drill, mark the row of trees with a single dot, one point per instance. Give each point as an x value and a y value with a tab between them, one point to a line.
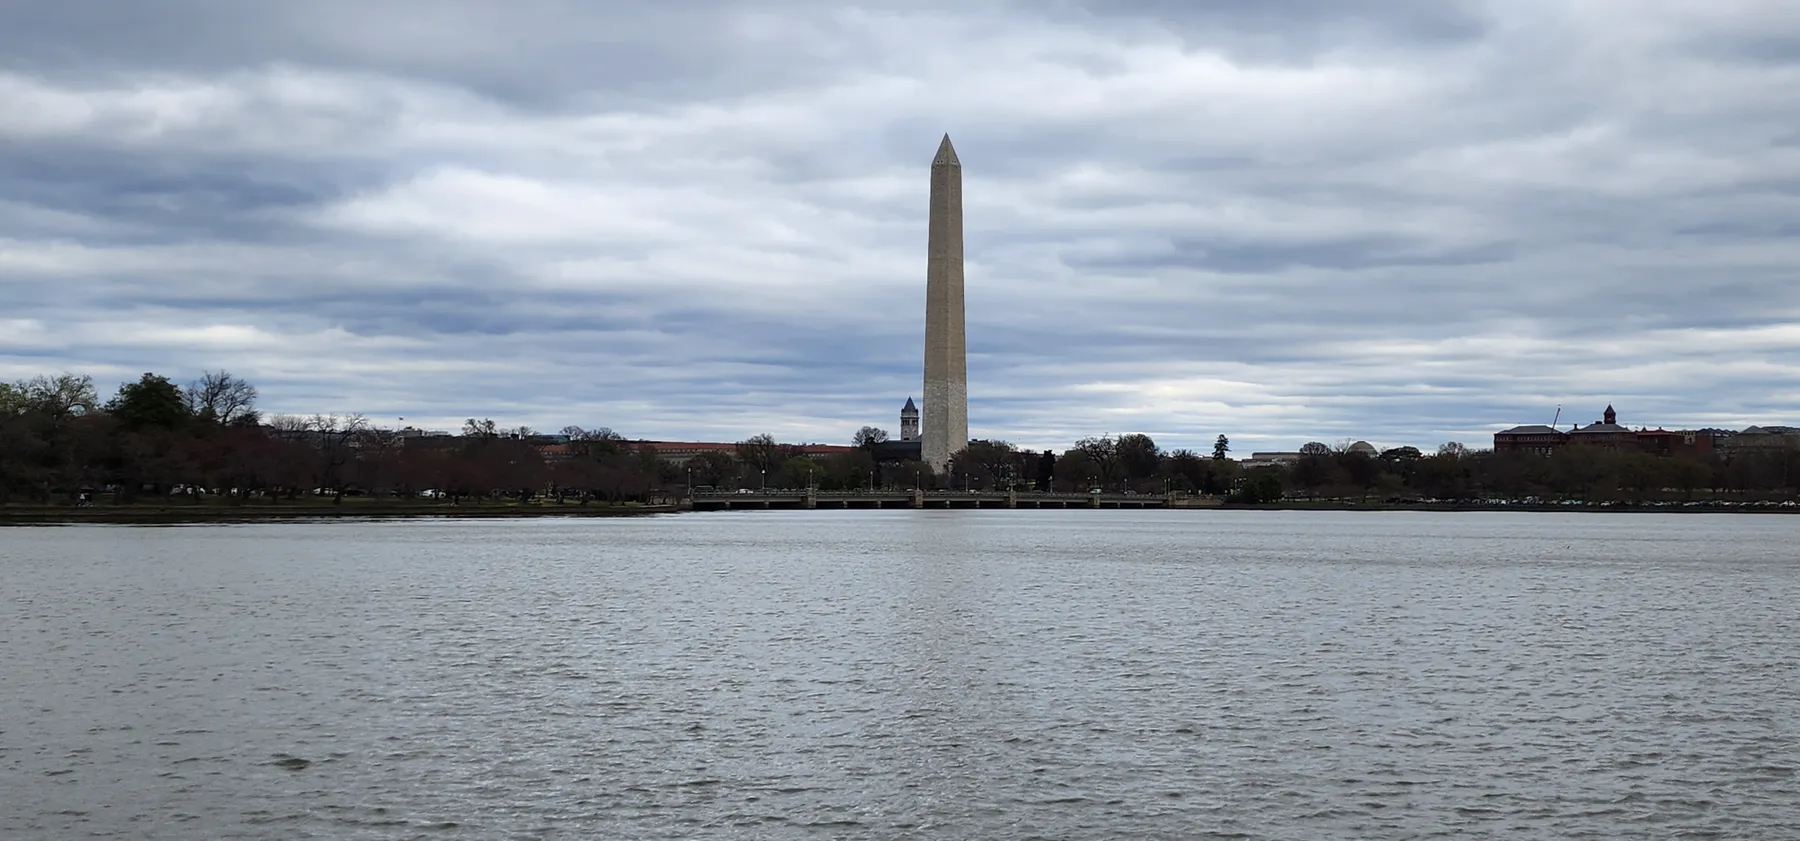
1135	463
58	440
1455	472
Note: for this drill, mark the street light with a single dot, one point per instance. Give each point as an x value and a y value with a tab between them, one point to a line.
765	478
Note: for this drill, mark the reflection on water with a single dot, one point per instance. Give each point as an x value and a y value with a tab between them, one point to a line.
886	674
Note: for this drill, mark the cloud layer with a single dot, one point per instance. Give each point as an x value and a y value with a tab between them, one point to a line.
1408	222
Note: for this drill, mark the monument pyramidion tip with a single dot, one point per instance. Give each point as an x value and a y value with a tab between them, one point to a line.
946	154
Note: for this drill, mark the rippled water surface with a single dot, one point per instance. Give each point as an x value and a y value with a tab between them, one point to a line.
906	674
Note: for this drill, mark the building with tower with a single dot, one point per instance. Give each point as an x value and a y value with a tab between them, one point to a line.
1605	433
909	421
907	448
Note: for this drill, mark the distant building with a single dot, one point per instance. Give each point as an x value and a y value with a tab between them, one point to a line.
1761	438
1364	448
1269	459
1606	433
909	421
1665	442
556	453
1536	438
678	452
897	451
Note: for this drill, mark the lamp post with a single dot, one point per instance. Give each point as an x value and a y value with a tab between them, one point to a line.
765	478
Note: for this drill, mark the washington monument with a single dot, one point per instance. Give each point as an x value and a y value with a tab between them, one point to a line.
945	430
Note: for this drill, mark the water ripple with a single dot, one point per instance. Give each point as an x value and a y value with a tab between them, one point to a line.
1067	675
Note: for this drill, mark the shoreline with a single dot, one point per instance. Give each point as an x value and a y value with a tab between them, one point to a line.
45	515
48	515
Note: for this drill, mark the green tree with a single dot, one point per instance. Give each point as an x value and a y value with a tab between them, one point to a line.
1221	476
12	401
1187	471
1139	457
1221	446
846	471
985	463
1316	467
1261	486
712	468
150	403
795	472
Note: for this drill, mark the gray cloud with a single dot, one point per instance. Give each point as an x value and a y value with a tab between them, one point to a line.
1304	220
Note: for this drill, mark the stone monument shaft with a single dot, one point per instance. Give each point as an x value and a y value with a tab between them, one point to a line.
945	427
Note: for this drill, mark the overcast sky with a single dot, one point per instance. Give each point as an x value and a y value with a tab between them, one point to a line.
1288	220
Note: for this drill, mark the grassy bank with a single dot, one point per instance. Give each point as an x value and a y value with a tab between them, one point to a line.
158	511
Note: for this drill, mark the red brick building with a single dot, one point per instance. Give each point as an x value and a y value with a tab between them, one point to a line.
1536	438
1606	433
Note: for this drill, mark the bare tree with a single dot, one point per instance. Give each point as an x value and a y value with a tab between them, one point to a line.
604	433
760	452
60	397
1103	454
220	397
337	437
292	425
484	428
990	462
868	437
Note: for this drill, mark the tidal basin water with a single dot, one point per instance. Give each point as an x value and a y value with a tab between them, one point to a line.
906	674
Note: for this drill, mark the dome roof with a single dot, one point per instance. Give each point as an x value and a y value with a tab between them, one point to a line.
1363	447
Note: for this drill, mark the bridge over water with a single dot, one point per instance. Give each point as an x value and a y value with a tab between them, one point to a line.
805	498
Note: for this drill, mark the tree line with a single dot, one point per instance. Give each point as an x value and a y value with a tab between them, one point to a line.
60	442
1134	463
